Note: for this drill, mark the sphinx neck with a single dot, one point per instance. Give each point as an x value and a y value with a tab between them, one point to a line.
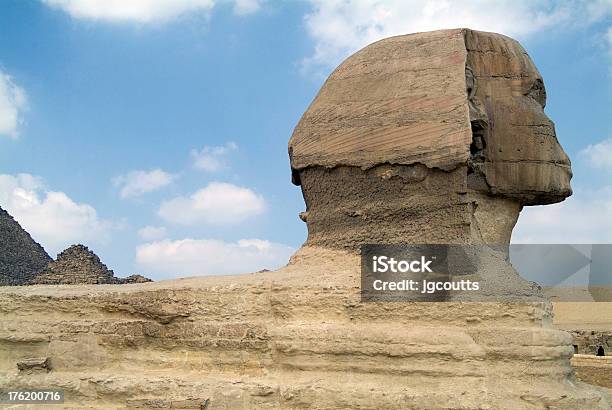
348	207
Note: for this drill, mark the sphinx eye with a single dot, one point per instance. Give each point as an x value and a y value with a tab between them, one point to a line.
538	92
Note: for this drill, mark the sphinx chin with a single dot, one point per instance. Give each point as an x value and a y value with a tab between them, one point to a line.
433	137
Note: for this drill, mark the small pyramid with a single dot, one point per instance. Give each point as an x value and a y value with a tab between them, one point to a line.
134	279
76	265
21	258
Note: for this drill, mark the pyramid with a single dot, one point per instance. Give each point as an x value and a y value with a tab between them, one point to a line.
76	265
79	265
21	258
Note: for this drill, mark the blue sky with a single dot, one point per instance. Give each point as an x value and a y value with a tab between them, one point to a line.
156	132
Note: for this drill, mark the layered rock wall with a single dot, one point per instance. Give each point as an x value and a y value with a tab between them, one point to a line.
298	338
596	370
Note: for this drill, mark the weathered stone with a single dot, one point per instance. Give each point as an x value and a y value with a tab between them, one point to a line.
401	100
34	364
520	157
444	99
595	370
442	135
21	258
294	338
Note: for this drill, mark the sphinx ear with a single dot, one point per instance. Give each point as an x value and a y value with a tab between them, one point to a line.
295	174
479	123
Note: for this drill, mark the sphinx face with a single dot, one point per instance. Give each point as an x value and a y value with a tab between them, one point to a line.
517	149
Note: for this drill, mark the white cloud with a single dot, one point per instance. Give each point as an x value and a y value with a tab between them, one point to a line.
595	10
188	257
599	155
144	11
243	7
152	233
136	183
13	102
212	159
51	217
217	204
585	217
339	27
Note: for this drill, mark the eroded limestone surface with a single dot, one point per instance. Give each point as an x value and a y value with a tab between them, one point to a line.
297	338
443	136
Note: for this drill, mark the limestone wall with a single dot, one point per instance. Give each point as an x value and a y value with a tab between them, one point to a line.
299	338
593	369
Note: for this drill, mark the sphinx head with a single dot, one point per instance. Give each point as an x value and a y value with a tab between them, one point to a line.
436	137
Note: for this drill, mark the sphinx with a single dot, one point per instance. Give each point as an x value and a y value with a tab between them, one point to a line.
437	138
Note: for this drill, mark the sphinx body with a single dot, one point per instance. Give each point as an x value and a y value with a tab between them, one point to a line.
427	138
